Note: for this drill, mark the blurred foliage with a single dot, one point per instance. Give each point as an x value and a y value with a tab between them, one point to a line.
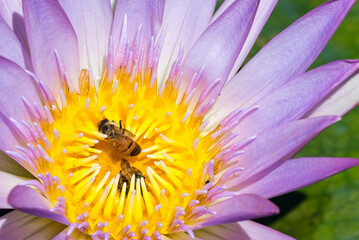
329	209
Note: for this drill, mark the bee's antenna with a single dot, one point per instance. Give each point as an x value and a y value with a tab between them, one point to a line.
120	122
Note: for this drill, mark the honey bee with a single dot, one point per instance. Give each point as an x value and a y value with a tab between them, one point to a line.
126	174
120	138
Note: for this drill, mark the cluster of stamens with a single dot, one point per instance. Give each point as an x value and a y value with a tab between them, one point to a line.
184	165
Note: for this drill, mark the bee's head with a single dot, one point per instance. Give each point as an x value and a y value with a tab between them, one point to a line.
103	126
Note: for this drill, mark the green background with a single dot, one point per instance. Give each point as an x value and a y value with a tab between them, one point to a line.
328	209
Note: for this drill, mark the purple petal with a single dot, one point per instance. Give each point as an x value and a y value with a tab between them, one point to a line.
92	23
264	10
146	13
75	235
274	145
11	12
341	100
222	8
179	236
35	204
285	57
297	97
238	208
218	47
258	231
7	183
48	28
9	165
11	48
297	173
244	230
14	83
18	225
186	20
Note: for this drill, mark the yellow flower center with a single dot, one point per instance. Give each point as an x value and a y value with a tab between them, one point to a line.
85	169
99	182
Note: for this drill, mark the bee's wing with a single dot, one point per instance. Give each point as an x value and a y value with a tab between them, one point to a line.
128	133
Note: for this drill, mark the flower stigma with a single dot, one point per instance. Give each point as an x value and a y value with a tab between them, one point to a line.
99	182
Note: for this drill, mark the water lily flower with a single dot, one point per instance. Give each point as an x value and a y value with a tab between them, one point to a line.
130	120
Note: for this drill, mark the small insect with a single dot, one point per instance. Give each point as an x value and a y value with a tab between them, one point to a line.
126	174
120	138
